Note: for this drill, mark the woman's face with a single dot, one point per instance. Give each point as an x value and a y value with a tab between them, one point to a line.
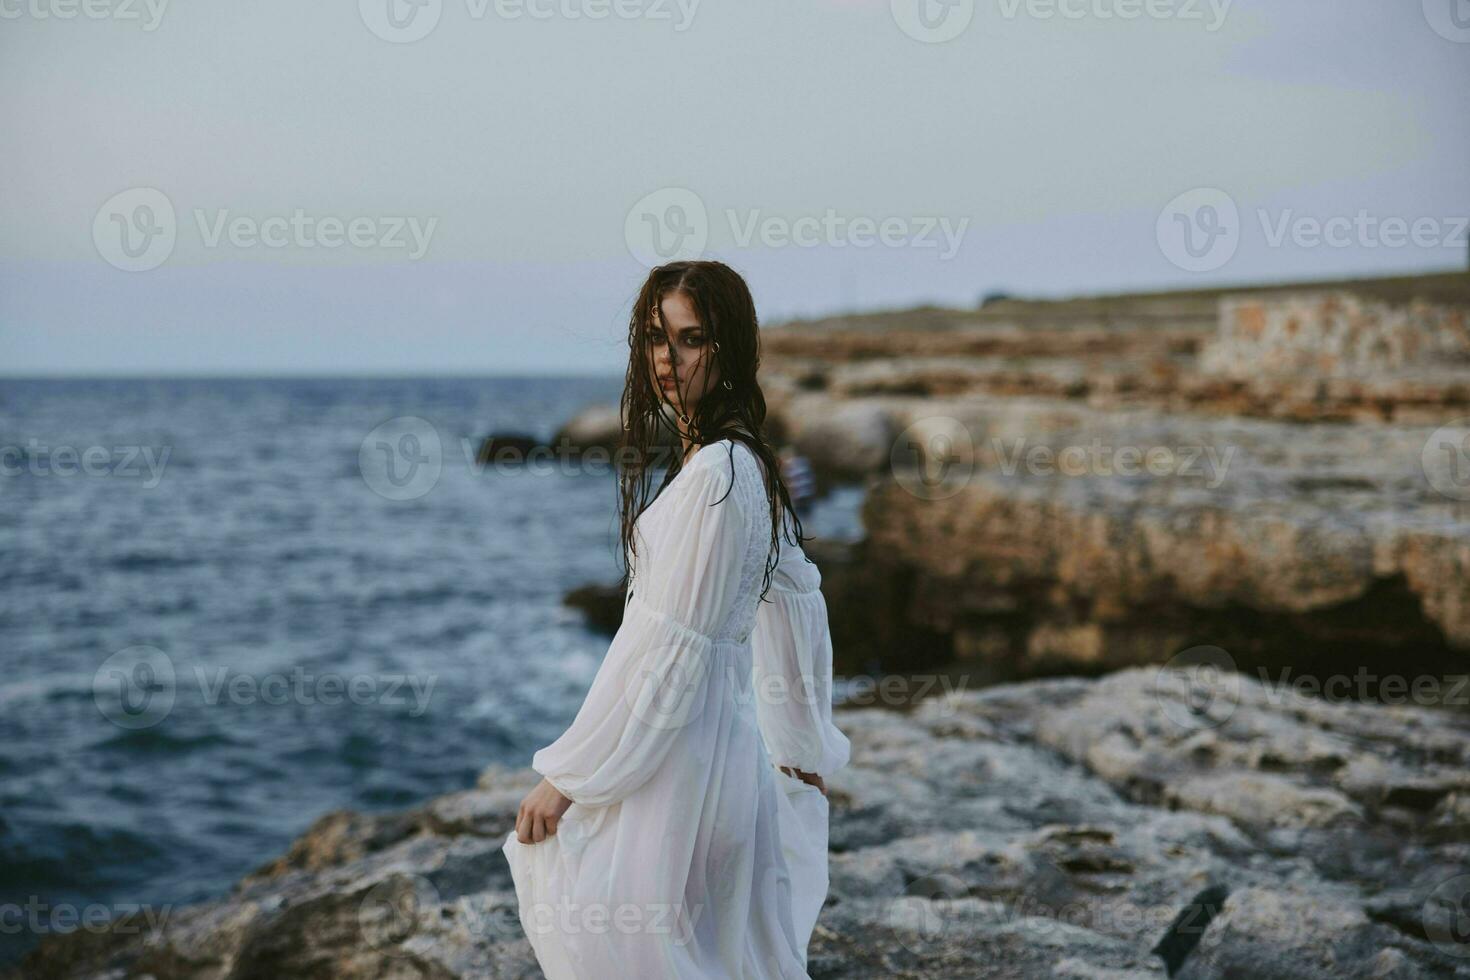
679	346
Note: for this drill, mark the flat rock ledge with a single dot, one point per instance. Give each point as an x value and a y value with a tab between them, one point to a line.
1116	828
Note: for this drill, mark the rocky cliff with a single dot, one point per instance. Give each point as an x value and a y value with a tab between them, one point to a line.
1078	486
1104	829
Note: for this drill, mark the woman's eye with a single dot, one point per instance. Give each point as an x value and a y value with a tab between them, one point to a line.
695	341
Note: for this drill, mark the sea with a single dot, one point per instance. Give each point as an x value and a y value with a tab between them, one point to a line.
229	606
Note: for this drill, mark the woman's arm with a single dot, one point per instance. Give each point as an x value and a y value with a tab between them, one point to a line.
652	682
792	666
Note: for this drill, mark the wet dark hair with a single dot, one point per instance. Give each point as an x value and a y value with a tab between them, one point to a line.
733	408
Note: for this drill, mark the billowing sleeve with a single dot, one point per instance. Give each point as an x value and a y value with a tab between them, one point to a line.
654	680
792	664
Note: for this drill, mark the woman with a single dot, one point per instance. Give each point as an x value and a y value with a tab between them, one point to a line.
680	829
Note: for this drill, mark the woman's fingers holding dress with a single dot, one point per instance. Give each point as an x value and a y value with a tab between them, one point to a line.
526	822
810	778
545	827
539	813
534	825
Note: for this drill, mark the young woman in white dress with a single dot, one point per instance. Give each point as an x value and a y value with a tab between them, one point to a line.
680	829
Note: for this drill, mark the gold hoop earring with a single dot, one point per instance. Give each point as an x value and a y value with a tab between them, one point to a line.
717	347
728	385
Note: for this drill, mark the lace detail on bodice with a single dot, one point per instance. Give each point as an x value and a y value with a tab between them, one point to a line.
750	493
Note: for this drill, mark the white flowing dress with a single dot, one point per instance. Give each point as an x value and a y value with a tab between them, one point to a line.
686	852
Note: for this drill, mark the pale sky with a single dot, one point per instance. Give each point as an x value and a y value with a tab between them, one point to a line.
1039	150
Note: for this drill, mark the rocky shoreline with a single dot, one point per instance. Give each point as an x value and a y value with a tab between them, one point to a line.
1099	829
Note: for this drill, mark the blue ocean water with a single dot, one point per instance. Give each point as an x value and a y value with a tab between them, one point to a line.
223	614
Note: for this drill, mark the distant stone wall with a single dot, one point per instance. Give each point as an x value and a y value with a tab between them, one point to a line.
1333	334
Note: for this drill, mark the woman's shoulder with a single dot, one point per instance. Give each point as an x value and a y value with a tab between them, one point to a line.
727	458
722	451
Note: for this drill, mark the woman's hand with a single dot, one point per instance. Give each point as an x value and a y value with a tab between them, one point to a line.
539	812
809	778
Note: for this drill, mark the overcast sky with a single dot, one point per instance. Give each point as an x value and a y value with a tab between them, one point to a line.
461	186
